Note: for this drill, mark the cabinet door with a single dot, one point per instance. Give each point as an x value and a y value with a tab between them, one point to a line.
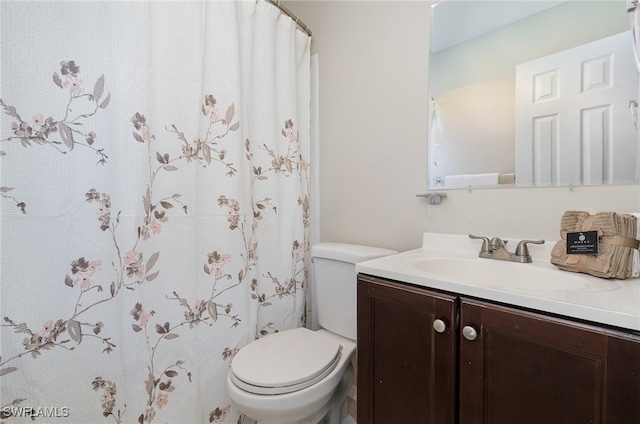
406	368
528	368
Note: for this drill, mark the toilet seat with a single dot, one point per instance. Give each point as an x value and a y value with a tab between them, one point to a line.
284	362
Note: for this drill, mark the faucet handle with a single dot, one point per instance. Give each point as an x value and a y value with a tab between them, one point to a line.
523	250
485	242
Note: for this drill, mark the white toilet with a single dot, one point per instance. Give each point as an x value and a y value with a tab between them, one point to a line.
299	375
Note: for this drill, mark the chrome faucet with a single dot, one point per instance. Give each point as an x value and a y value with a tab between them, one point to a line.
496	248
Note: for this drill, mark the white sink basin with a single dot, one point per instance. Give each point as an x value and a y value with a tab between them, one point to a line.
500	274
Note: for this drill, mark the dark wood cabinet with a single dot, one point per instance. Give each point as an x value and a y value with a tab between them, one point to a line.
504	365
530	368
407	370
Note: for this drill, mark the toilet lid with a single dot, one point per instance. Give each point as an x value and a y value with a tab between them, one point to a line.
284	362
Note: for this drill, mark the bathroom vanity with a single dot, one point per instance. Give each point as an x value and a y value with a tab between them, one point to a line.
435	347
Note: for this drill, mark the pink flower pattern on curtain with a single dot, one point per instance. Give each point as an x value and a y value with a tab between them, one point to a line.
151	225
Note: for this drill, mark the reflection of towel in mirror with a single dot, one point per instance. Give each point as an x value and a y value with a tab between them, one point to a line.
471	180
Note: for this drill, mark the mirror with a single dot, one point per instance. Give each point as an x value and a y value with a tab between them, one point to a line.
526	93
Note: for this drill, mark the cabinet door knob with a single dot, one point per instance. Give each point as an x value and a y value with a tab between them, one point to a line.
439	325
469	333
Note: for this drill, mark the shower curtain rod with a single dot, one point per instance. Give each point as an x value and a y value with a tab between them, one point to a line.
290	14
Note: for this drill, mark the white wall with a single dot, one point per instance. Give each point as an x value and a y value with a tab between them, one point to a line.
373	59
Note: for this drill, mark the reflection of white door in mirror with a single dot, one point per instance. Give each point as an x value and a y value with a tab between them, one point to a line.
573	124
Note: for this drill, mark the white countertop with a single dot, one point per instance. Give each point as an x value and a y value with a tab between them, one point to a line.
611	302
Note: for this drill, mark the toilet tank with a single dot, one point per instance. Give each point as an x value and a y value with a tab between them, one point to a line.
334	278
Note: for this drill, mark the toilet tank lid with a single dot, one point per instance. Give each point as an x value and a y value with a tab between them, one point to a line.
351	253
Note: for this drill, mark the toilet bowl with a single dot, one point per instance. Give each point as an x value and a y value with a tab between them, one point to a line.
284	405
300	375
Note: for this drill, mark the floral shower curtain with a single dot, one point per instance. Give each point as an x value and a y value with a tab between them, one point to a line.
155	213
